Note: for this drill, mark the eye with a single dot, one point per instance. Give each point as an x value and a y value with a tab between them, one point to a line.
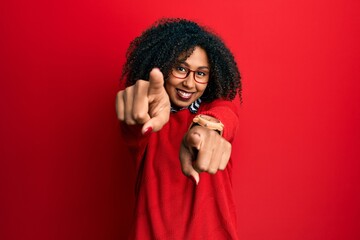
181	69
201	74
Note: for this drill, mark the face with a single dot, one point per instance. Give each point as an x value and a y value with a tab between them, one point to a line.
183	92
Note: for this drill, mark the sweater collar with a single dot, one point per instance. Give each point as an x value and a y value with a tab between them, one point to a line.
193	107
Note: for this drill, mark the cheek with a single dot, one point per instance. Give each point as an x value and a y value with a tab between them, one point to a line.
168	86
171	84
201	88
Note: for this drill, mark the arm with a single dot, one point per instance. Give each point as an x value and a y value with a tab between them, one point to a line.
228	113
146	103
205	150
142	108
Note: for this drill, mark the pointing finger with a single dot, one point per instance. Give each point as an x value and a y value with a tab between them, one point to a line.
186	164
195	138
156	80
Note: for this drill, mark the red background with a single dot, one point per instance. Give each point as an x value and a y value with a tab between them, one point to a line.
64	174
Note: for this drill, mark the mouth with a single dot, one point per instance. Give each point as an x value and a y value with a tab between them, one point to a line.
183	95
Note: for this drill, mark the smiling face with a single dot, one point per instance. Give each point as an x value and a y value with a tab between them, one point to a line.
183	92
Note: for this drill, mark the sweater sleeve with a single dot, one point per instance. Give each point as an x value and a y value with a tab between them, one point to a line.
227	112
134	139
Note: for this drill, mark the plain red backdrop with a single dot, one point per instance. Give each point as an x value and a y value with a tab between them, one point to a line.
63	173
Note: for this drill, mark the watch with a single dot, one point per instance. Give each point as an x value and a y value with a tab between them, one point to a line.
208	122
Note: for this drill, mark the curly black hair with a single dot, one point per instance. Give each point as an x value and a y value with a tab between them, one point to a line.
162	44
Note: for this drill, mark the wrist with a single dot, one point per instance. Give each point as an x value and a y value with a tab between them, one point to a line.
208	122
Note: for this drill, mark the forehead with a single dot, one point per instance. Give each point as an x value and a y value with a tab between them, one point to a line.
198	58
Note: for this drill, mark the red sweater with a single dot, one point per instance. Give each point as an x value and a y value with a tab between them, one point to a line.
169	205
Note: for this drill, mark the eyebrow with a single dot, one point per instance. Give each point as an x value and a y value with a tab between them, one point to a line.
187	65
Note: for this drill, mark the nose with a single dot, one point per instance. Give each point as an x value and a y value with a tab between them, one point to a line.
189	81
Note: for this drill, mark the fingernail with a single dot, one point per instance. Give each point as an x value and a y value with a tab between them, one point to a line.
148	131
193	179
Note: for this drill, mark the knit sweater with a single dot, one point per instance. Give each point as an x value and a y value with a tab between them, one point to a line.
170	205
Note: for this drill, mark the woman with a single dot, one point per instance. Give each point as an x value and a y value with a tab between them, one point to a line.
181	101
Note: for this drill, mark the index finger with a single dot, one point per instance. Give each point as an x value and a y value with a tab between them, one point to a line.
204	154
156	80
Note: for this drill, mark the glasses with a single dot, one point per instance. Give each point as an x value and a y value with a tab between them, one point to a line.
181	72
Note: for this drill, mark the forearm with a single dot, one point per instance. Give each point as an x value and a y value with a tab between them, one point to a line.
227	112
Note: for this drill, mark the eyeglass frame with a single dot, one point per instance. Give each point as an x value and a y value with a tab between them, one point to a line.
188	73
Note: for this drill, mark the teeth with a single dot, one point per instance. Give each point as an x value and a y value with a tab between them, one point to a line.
184	94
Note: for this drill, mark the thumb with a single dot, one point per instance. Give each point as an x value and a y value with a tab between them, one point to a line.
156	80
193	140
156	123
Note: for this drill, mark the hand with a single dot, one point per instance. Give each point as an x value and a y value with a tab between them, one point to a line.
203	150
146	102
